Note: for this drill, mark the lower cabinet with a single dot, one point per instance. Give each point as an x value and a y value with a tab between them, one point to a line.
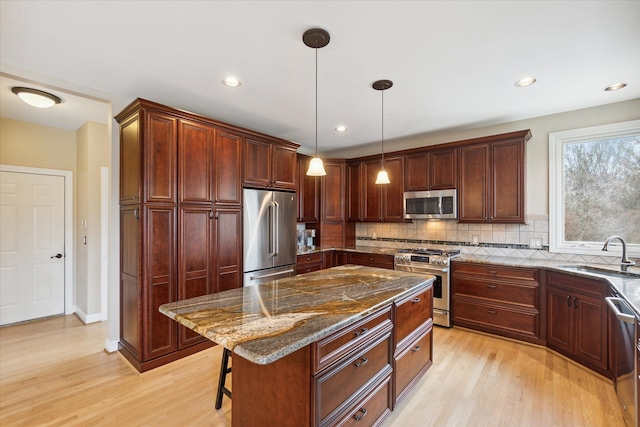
577	319
307	263
497	299
370	260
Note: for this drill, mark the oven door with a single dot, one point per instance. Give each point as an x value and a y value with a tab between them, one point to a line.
441	290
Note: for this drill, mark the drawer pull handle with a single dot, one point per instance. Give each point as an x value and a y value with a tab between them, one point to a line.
568	301
575	302
492	272
416	348
358	417
491	311
361	362
361	332
415	300
492	286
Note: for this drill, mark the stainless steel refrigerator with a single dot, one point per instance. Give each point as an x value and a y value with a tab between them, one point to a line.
269	219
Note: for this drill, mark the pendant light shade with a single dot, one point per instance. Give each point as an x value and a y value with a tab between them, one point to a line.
316	38
382	85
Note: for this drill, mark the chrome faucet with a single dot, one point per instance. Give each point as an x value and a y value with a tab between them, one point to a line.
624	262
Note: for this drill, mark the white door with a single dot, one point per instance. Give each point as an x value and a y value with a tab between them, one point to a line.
31	246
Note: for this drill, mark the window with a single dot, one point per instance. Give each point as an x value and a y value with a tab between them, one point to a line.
594	188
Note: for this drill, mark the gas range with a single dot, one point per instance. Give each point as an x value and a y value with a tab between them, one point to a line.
425	256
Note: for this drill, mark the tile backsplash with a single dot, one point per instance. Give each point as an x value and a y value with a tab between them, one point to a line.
511	240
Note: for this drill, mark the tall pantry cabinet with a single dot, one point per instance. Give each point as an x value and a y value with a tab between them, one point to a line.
180	224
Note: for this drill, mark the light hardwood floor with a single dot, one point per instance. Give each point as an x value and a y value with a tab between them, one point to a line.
55	373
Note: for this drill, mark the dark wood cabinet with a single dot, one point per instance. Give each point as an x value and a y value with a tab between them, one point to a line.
306	263
308	192
370	259
269	164
431	170
333	230
577	319
373	202
491	179
181	228
497	299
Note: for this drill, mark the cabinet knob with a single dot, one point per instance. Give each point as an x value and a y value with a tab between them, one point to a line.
416	348
415	300
361	362
361	332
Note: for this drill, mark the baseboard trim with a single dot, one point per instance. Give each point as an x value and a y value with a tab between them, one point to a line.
86	319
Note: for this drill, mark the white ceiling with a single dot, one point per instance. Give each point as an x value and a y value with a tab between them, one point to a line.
453	63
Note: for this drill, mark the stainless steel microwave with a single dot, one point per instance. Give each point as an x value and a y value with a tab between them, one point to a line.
441	204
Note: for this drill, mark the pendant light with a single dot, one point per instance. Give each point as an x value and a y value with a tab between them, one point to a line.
382	85
316	38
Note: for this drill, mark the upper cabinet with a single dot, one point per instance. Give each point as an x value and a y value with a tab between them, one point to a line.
307	190
270	164
373	202
431	170
491	179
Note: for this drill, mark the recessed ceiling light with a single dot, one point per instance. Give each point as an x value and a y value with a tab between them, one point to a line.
35	97
341	128
231	82
527	81
615	87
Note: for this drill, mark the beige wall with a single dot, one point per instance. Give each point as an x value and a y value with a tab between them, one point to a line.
537	172
26	144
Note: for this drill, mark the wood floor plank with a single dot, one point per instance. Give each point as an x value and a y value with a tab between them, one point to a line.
55	373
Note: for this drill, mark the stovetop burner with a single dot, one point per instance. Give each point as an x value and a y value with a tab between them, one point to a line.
428	251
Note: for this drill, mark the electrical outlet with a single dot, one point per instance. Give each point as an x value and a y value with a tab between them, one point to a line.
475	239
535	243
374	236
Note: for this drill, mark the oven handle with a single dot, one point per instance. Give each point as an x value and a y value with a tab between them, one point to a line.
626	318
428	270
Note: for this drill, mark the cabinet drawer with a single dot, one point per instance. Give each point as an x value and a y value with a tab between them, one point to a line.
345	380
579	284
412	312
309	259
491	318
340	343
307	268
372	409
512	293
517	273
413	361
370	260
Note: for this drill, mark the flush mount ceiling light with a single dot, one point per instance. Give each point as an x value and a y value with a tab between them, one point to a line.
35	97
231	82
615	87
316	38
382	85
341	128
527	81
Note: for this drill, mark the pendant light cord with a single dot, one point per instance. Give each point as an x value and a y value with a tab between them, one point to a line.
382	131
316	102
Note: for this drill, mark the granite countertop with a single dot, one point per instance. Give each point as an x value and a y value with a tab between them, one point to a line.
265	322
362	249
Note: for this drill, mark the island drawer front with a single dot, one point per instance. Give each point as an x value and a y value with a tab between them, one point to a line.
332	348
512	293
412	312
511	273
371	410
477	314
413	361
306	263
353	376
595	287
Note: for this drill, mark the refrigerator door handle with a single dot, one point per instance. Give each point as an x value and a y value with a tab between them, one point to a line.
279	273
276	229
272	235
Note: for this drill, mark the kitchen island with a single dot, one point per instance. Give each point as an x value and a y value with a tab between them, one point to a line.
319	349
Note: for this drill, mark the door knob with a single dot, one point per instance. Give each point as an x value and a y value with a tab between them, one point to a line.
57	256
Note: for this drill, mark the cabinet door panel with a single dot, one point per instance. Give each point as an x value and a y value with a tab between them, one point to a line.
473	184
308	193
443	169
227	160
130	277
591	330
257	163
195	261
160	162
228	253
355	196
195	150
332	187
560	319
160	277
393	193
415	173
508	181
130	161
284	167
372	193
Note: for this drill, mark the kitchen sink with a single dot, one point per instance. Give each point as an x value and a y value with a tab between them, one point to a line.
602	271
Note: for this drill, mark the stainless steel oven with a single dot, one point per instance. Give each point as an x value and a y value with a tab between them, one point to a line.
435	263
